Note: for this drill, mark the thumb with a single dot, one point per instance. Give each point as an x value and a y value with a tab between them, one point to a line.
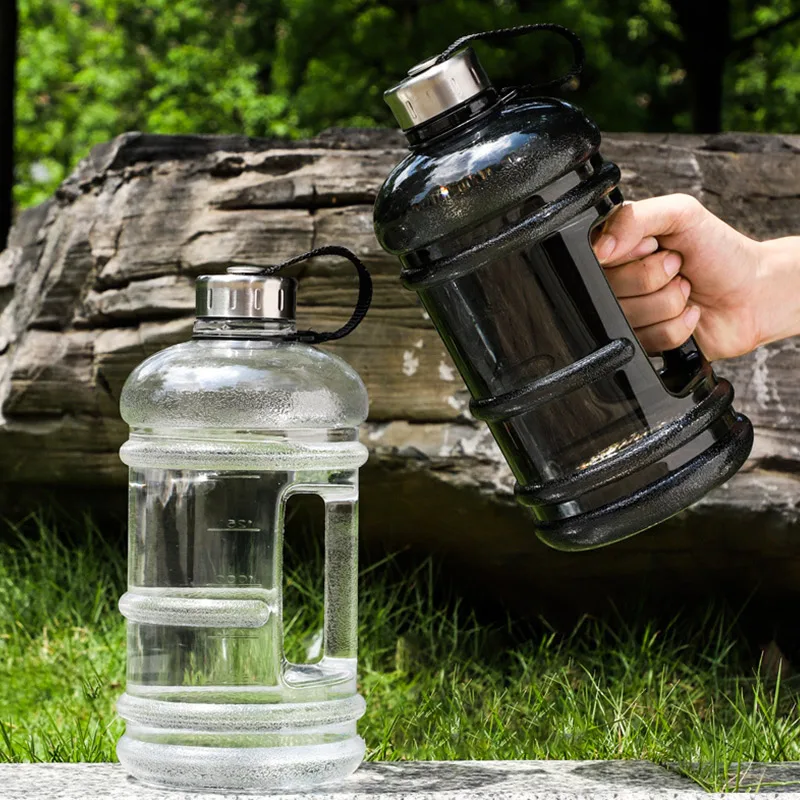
632	222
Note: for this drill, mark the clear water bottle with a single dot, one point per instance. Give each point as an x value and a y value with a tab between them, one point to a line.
224	429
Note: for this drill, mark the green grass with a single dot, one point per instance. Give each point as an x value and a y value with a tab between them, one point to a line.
440	683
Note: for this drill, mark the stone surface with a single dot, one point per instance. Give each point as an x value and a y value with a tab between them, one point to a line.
774	778
484	780
100	276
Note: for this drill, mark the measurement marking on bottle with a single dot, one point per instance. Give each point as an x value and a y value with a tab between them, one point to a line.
240	530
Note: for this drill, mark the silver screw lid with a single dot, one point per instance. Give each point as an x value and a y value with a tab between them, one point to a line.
245	292
431	89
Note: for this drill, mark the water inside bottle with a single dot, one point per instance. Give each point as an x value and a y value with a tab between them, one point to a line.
206	664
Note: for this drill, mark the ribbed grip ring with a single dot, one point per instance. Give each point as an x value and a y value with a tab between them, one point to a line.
586	370
651	448
538	225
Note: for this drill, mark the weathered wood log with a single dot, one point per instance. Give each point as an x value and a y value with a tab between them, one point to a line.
101	275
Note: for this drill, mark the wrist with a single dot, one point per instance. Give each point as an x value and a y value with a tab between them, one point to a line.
777	288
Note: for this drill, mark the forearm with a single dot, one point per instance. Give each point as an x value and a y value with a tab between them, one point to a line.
778	294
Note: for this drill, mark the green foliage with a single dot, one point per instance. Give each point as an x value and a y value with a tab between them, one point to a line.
766	82
91	69
440	682
88	71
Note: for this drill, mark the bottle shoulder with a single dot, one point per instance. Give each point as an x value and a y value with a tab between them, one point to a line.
493	164
243	384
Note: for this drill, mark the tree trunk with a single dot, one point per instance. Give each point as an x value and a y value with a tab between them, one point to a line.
8	64
102	276
706	27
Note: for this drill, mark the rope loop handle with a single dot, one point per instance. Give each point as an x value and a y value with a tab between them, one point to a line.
503	34
362	303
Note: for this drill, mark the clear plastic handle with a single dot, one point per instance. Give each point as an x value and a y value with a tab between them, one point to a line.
340	630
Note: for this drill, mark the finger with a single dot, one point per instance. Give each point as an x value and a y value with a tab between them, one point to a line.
645	247
669	334
659	306
632	222
644	276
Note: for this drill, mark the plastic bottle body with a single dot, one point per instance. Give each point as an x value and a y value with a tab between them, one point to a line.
211	702
492	223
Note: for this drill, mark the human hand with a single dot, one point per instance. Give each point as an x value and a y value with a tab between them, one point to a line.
677	269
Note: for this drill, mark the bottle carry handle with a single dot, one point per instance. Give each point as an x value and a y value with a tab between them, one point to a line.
502	34
362	303
680	364
340	605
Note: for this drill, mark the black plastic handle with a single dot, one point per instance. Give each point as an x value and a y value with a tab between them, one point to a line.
681	365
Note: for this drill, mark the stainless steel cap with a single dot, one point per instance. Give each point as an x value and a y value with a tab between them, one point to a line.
246	293
431	89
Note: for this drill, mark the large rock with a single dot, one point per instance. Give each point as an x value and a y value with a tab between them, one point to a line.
101	275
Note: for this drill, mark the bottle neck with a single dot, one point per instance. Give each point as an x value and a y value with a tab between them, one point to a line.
455	118
220	328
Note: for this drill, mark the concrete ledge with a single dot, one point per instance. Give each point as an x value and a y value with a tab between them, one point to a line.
415	780
781	778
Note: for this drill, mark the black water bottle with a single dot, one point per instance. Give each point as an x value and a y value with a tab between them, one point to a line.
491	215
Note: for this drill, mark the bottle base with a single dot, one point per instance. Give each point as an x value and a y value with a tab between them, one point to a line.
656	502
239	769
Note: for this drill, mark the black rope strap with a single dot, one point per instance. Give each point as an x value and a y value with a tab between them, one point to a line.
502	34
362	303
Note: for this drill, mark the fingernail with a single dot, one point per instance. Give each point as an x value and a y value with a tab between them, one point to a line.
672	263
691	316
647	246
686	288
605	246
